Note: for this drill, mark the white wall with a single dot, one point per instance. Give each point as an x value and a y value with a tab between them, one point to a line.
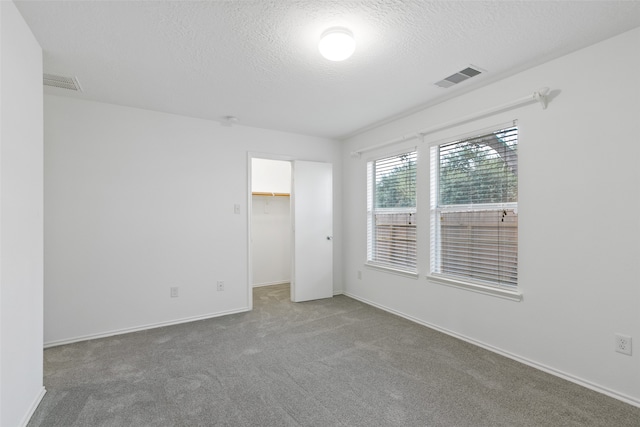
137	202
270	176
21	219
271	240
579	230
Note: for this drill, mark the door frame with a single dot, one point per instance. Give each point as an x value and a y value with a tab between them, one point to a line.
266	156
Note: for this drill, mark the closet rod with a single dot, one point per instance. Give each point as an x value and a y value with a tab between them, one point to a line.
540	96
261	193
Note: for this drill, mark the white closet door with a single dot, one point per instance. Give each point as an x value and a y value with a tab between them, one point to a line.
312	276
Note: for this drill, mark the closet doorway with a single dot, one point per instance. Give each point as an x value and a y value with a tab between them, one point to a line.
271	222
292	245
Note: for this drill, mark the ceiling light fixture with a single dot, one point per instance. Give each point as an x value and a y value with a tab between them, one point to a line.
337	44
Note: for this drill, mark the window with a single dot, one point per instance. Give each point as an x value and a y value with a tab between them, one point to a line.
391	212
474	210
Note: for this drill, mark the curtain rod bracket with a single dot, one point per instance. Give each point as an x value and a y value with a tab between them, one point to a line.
541	96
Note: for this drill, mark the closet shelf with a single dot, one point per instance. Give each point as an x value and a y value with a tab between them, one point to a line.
261	193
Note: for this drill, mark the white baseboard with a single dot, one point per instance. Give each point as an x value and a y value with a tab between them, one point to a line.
33	407
584	383
141	328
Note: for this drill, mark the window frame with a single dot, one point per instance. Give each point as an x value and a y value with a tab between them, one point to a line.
372	260
435	227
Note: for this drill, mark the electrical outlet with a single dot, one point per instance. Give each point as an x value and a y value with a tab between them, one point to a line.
623	344
220	285
173	292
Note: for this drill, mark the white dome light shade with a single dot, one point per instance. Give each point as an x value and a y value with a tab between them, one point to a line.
337	44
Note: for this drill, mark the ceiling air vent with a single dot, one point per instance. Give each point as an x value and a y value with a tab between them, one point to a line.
62	82
458	77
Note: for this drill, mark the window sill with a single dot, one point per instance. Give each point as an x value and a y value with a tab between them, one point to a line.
392	270
512	295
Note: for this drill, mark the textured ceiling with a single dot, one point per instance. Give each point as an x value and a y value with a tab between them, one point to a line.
258	59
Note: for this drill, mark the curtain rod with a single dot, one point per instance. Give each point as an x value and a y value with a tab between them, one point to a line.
540	96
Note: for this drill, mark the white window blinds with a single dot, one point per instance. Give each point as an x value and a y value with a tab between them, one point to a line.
474	221
391	212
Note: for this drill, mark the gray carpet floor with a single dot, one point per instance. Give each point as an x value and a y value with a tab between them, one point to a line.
334	362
